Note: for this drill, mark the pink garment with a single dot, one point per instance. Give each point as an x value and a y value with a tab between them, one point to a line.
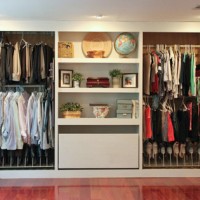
148	122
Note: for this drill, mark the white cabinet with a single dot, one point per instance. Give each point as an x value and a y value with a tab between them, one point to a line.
116	142
84	151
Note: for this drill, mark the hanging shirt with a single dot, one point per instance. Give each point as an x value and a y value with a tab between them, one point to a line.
40	113
31	119
192	76
47	135
14	123
167	72
22	109
2	98
6	122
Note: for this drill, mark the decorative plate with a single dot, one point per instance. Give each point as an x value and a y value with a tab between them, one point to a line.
97	42
125	43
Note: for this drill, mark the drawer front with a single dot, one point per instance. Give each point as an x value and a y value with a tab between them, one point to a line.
119	101
98	151
124	106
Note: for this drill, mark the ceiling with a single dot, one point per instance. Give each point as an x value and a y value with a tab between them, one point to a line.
112	10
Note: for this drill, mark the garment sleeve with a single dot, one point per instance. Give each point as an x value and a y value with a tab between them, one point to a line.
22	117
29	120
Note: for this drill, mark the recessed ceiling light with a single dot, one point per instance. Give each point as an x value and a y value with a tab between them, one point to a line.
99	16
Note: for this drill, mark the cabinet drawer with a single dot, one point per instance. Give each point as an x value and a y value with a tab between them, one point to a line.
98	151
124	106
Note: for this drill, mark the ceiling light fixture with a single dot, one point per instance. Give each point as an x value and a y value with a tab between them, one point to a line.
99	16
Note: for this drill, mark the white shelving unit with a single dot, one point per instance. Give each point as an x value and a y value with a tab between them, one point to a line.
98	67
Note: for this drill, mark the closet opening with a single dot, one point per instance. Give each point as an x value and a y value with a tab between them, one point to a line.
171	94
27	100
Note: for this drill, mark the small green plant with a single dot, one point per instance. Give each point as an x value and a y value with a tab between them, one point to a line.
70	106
115	73
77	77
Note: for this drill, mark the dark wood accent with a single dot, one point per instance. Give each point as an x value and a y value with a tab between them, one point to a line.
171	38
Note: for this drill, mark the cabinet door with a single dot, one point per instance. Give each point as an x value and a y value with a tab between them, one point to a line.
98	151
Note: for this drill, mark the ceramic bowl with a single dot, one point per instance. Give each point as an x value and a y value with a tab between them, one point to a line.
100	111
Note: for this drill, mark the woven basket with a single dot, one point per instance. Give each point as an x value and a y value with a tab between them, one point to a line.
65	50
71	114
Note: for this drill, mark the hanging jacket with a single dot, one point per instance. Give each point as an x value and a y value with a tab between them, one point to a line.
16	75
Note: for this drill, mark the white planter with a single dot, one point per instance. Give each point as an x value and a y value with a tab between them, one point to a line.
76	84
116	82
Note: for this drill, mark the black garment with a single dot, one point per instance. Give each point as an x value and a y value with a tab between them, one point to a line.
3	66
186	75
48	58
156	125
183	120
35	65
193	134
23	62
9	62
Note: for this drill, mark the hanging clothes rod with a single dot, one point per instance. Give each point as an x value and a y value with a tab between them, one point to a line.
185	45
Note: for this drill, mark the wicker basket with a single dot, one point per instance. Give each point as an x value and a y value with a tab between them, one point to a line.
71	114
65	50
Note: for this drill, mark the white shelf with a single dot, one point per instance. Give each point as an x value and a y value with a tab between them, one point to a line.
97	121
98	60
98	90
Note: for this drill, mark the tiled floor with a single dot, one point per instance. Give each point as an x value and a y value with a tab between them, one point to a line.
101	189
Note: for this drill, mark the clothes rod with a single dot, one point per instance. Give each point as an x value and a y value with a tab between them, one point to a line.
184	46
28	86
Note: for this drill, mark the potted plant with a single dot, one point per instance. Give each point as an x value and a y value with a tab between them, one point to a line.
77	78
116	77
71	110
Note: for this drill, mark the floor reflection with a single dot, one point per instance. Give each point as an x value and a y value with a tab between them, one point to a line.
27	193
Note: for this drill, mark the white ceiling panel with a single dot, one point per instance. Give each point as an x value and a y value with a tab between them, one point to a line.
112	10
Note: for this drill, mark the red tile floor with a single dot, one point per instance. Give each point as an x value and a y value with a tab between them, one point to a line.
101	189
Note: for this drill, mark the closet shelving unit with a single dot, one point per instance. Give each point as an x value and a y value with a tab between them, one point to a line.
90	129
